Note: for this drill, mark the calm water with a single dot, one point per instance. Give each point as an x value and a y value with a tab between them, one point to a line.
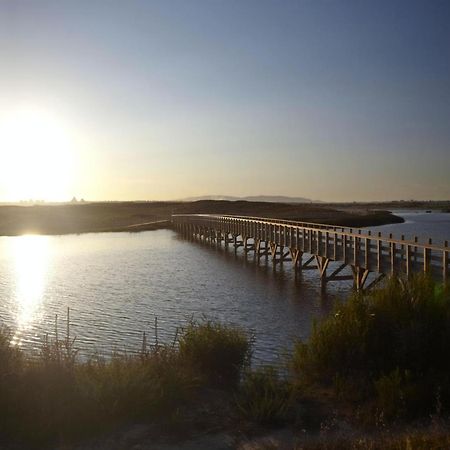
116	284
433	225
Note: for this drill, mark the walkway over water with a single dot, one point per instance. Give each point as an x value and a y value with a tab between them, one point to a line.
318	246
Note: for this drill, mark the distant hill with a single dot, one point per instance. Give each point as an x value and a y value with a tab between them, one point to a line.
254	198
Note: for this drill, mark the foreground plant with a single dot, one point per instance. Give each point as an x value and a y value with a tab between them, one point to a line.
217	351
391	344
265	397
57	397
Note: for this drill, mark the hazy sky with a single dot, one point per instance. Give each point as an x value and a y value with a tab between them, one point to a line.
331	100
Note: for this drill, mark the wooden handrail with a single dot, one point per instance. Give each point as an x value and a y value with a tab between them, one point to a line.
317	226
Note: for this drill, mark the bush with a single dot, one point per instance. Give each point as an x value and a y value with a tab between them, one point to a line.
57	398
217	352
131	386
264	397
389	342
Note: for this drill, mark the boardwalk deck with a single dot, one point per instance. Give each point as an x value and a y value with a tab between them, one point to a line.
366	254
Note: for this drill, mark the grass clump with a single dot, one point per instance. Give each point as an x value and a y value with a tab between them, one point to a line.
218	352
264	397
51	402
56	398
391	344
130	387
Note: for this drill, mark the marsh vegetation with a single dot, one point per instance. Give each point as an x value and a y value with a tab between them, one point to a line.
379	362
138	216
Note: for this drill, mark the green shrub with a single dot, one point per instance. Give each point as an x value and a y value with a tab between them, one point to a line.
132	386
403	327
57	398
391	395
217	352
264	397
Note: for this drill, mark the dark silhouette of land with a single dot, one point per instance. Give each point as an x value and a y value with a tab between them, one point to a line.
139	216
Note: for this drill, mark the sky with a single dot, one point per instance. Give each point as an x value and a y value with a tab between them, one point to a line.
156	100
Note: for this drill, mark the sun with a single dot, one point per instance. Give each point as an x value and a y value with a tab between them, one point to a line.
37	156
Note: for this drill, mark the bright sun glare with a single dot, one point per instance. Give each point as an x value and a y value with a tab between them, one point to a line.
36	156
30	255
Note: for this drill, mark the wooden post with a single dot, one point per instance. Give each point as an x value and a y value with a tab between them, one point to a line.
426	258
344	248
367	252
408	260
445	264
281	254
404	257
416	239
379	252
355	250
393	251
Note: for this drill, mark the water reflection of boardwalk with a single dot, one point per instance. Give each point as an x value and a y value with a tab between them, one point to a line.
329	249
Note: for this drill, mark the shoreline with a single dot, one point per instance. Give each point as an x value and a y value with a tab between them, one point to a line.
131	217
205	402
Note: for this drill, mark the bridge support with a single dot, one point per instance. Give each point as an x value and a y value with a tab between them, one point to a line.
336	277
278	250
296	257
307	264
380	277
359	277
322	265
262	250
287	241
237	243
257	245
248	247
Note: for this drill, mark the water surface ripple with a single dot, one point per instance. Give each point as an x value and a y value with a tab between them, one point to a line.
117	283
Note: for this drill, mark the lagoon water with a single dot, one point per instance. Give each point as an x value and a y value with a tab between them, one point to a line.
116	284
435	225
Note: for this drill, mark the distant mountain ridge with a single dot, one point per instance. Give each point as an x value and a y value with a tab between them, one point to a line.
252	198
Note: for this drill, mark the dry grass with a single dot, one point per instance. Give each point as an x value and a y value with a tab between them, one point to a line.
57	398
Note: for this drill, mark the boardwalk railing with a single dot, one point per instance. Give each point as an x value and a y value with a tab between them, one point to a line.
323	244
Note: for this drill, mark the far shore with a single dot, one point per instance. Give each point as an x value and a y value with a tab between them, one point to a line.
77	218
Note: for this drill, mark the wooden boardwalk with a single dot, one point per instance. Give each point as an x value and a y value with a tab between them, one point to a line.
328	249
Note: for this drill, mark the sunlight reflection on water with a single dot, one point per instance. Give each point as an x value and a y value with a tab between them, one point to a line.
30	257
117	283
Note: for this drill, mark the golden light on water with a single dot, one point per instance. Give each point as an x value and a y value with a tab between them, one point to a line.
37	156
30	256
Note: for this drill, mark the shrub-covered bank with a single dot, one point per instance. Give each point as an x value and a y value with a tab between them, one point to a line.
390	347
57	399
379	364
